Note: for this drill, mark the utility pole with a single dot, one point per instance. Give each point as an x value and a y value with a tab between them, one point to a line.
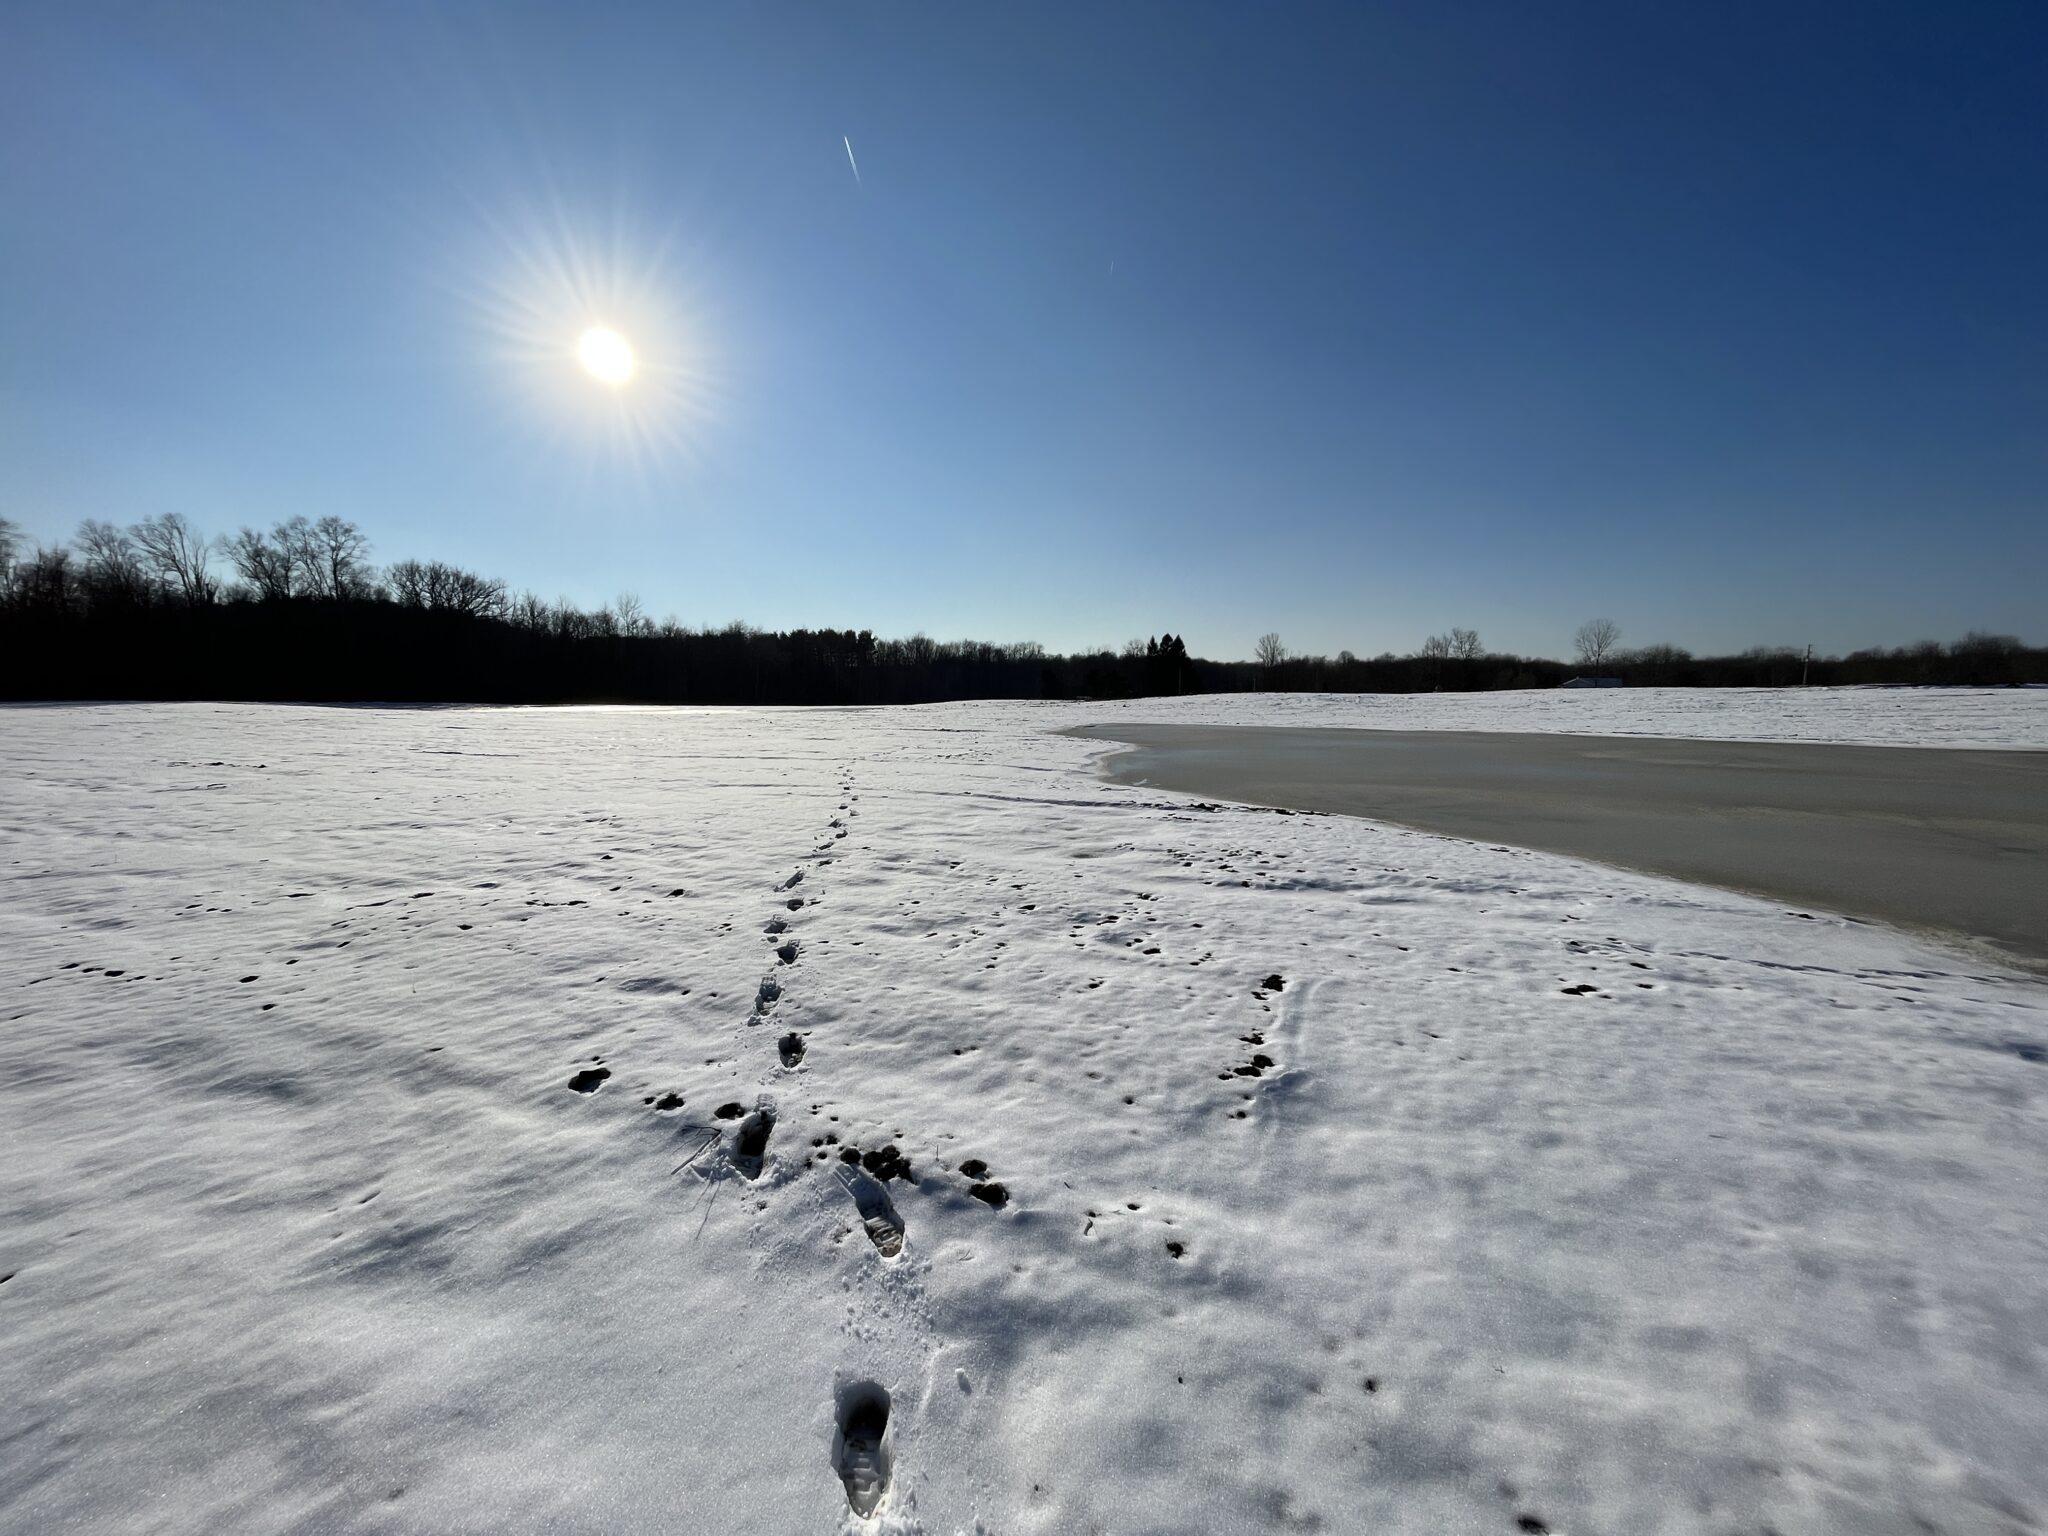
1805	666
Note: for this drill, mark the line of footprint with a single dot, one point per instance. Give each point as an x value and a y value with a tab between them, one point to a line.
860	1450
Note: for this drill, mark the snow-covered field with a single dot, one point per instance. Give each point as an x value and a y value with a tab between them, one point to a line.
1882	717
1351	1179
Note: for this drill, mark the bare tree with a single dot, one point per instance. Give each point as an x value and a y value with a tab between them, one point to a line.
46	580
179	557
335	554
450	589
566	621
530	611
408	582
1465	644
1435	648
265	566
1270	650
633	619
460	591
299	547
10	544
1597	641
1978	643
113	566
1663	654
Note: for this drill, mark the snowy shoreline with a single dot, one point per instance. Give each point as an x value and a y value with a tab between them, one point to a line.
1531	1192
1991	719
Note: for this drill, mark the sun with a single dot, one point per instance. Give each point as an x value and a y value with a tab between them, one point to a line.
606	356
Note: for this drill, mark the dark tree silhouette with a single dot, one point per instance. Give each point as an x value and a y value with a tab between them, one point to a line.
1597	641
178	556
138	613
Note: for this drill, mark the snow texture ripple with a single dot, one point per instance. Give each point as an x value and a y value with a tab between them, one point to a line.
410	1120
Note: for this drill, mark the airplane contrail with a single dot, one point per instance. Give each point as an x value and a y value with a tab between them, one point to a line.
849	158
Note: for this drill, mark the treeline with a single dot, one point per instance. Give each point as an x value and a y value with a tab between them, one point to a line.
157	610
1976	660
1459	662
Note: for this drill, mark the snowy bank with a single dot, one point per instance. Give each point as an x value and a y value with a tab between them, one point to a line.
1879	717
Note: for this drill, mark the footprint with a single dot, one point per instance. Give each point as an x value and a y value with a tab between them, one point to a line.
775	925
877	1211
787	953
587	1080
791	1046
860	1453
770	990
792	882
991	1194
750	1144
1272	983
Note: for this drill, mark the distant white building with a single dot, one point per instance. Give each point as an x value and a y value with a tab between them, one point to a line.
1592	682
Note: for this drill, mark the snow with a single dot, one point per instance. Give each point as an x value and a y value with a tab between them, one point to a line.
306	1228
1880	717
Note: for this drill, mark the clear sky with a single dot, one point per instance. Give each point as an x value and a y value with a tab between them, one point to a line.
1728	321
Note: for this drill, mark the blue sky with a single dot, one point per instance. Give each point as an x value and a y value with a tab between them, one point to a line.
1357	322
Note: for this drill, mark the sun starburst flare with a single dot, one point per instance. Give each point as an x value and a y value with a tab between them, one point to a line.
599	337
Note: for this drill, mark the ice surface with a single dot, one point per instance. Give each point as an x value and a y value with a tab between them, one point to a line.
1335	1199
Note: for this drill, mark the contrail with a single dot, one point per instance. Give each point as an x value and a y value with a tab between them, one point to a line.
849	158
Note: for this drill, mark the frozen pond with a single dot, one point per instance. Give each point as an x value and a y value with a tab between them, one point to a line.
1951	841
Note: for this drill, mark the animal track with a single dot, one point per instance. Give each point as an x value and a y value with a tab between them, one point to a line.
886	1163
877	1212
787	953
860	1452
588	1079
791	1046
991	1194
